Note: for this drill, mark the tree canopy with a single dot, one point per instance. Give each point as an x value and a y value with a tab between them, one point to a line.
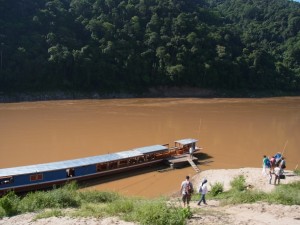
131	45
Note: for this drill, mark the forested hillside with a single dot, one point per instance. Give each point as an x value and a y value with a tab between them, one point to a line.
131	45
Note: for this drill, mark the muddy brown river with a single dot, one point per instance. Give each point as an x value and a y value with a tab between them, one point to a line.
232	132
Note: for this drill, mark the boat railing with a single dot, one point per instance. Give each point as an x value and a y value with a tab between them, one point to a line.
161	155
173	151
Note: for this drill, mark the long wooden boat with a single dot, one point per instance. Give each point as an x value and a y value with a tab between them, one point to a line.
42	176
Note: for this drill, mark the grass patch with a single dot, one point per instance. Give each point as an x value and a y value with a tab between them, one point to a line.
157	212
97	196
248	196
121	206
64	197
48	214
286	194
137	210
297	172
93	204
90	210
67	196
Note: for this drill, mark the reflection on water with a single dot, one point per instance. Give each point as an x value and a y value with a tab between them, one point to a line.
234	132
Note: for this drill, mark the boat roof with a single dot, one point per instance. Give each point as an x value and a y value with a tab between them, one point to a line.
186	141
38	168
151	149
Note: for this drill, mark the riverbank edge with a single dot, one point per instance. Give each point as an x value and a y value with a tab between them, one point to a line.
159	92
214	213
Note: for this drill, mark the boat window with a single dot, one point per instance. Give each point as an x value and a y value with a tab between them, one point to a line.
98	167
36	177
122	162
141	159
6	180
113	165
70	172
150	157
132	161
101	166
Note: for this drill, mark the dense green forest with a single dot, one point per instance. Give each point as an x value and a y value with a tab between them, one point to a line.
132	45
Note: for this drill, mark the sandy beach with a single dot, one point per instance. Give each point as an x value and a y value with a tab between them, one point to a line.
246	214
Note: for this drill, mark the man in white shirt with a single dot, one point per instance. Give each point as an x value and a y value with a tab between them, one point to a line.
203	191
277	172
191	151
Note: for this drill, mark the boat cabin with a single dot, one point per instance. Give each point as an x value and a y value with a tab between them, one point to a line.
182	146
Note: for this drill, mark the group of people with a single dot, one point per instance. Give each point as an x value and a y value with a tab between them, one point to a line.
275	165
187	190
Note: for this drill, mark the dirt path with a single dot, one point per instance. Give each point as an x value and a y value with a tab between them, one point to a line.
246	214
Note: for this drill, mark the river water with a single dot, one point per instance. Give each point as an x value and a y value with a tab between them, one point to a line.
233	133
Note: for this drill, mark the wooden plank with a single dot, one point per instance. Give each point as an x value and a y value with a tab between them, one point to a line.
193	165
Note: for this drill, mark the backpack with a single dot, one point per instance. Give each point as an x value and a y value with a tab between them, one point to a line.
283	165
268	163
188	188
200	189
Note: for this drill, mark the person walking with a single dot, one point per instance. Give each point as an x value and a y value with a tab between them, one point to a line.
203	191
186	191
277	172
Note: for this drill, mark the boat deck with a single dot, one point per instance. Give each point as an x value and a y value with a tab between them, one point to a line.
182	160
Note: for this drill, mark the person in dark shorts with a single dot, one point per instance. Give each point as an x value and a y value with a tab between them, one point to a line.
186	191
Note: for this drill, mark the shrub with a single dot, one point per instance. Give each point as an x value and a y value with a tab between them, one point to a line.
120	206
9	204
238	183
63	197
2	212
287	194
97	196
216	189
184	213
67	196
35	201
